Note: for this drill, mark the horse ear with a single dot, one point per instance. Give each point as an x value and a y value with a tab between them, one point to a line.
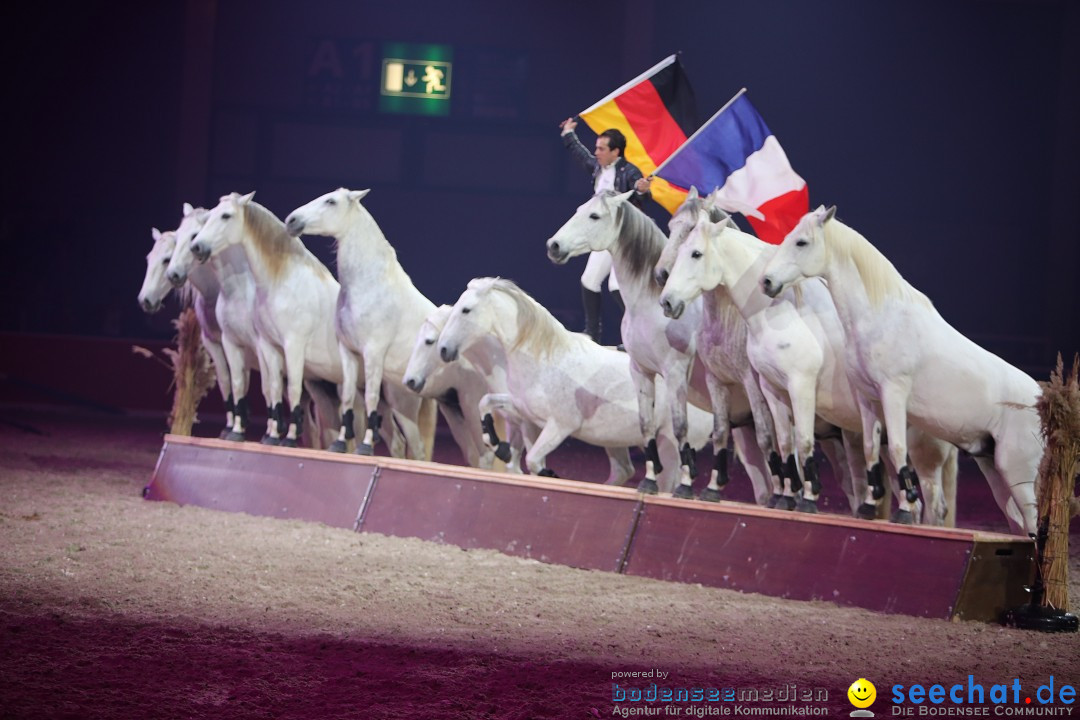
245	199
358	195
155	233
625	197
187	209
693	194
829	214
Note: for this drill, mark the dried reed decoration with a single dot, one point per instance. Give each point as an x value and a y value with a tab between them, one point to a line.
1059	411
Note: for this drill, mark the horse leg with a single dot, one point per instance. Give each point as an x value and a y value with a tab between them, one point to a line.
677	382
373	370
871	440
932	459
294	387
350	374
719	400
549	439
233	361
802	393
407	406
622	467
645	384
503	403
894	412
852	475
754	461
1017	455
273	388
782	498
216	351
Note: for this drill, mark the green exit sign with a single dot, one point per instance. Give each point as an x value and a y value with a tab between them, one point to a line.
416	79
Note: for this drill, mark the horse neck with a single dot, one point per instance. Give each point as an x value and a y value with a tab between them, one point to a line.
232	268
363	251
204	279
846	283
635	252
743	258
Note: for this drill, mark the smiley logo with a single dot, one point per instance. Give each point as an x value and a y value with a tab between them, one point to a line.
862	693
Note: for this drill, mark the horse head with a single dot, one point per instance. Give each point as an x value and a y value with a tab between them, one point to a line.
695	268
183	259
471	318
801	255
155	286
325	215
424	359
593	227
224	226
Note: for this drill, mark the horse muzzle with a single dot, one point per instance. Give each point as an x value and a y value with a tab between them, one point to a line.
201	251
448	354
294	226
661	277
416	384
770	287
556	254
149	306
176	279
673	310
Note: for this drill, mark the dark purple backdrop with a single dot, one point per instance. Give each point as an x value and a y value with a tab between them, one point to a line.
945	131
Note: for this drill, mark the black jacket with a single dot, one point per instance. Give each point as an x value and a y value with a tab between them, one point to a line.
626	173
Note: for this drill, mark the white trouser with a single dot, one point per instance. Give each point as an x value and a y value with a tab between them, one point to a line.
596	269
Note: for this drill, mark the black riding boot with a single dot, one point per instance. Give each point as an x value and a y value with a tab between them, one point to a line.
622	311
590	300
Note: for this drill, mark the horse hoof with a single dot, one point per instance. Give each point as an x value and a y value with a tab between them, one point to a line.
364	449
224	434
233	436
806	506
684	491
288	442
902	517
547	472
337	446
866	511
270	440
786	502
503	452
710	495
648	487
773	500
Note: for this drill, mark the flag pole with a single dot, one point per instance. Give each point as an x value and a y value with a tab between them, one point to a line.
648	73
670	157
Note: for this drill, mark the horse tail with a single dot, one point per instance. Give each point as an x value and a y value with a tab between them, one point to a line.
427	419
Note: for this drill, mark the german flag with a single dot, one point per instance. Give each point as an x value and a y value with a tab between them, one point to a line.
656	111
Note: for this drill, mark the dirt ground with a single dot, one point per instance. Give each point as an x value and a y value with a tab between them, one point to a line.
115	607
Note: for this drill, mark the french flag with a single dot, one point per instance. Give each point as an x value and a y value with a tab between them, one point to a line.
736	152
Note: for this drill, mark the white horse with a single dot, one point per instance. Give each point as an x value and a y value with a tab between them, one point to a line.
459	387
734	391
797	344
295	296
656	345
378	315
233	311
910	366
560	381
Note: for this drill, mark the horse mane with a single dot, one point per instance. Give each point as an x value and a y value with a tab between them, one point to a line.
641	241
539	333
879	276
272	240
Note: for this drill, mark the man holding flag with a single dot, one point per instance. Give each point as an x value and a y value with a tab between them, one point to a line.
610	172
638	126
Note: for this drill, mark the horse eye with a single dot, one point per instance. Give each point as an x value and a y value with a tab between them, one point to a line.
226	216
465	311
165	261
331	201
429	341
696	254
801	243
594	216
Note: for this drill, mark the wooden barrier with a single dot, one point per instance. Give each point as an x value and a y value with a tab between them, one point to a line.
920	571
